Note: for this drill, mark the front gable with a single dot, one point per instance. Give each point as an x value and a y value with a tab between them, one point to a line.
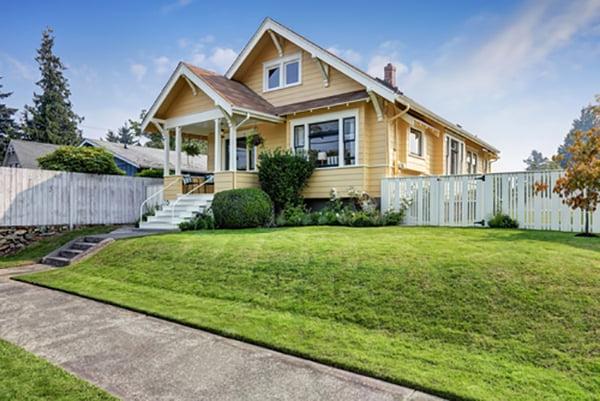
313	84
182	100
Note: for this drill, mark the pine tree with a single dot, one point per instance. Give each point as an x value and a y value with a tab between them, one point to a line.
538	162
111	136
51	118
126	135
587	120
8	128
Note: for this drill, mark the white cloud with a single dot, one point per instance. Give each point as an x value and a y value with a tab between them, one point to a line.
222	58
350	55
198	59
23	70
138	71
162	65
175	5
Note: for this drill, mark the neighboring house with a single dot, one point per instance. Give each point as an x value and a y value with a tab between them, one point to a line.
299	96
133	159
24	154
130	159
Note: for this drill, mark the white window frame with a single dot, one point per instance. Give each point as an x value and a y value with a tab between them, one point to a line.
281	63
328	117
422	143
461	154
225	151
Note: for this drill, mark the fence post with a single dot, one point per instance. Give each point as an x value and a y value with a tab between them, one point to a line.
71	196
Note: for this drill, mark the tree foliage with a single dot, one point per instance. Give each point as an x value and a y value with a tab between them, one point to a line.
587	120
538	162
8	127
193	148
283	175
580	185
84	159
51	118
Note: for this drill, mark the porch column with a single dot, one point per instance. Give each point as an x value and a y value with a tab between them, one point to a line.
177	150
217	166
232	147
166	152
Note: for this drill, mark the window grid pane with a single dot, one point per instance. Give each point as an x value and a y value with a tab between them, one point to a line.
349	141
324	140
273	74
292	70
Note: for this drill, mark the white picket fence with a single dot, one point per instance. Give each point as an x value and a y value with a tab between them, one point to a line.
42	197
470	200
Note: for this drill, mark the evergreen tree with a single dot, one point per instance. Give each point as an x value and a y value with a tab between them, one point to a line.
8	128
111	136
538	162
587	120
51	118
154	139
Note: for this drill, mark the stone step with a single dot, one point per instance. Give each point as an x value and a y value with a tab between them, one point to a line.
93	240
82	246
56	261
70	253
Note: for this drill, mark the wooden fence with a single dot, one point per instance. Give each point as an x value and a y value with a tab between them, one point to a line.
470	200
42	197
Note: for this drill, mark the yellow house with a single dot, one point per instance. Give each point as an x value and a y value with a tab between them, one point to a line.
299	96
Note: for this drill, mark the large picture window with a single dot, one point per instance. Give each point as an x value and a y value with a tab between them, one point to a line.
331	139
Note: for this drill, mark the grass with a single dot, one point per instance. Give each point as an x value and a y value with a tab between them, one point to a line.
475	314
25	377
37	250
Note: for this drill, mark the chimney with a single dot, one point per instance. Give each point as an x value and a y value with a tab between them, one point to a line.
389	74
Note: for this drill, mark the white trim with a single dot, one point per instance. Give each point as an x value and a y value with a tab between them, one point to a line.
324	68
354	73
183	70
422	143
281	62
242	134
178	150
461	154
259	115
195	118
340	115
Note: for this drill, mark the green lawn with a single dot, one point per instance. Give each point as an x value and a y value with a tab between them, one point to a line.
25	377
463	313
34	252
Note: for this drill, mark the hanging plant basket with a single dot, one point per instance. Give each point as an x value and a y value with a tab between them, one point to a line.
254	140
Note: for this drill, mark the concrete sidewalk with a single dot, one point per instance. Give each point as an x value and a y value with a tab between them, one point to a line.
137	357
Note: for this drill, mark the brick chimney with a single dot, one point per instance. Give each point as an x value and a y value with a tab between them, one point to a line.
389	74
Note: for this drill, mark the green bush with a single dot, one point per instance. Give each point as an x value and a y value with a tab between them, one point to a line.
151	173
392	218
203	221
295	216
283	175
500	220
85	159
242	208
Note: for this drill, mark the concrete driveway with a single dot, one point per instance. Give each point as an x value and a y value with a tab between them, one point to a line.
137	357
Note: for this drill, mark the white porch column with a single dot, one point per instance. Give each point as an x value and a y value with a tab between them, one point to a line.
217	166
167	149
232	147
177	150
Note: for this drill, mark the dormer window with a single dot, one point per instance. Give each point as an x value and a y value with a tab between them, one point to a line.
282	73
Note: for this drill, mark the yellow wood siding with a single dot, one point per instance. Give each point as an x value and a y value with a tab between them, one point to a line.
341	178
312	86
246	180
173	185
181	101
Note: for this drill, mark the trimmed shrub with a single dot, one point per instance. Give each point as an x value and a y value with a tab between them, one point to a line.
85	159
283	175
500	220
203	221
151	173
242	208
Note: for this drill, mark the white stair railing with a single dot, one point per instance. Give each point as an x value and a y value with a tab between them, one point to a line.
203	183
152	197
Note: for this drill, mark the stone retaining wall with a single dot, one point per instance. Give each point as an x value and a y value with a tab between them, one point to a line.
13	239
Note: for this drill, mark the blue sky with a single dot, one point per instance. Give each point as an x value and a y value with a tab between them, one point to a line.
515	73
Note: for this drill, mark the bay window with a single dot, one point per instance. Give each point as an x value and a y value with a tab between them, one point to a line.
331	139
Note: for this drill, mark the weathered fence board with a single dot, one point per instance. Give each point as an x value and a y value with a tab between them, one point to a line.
469	200
42	197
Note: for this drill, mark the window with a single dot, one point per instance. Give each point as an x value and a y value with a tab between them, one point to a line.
349	141
471	162
332	141
245	157
454	155
282	73
416	142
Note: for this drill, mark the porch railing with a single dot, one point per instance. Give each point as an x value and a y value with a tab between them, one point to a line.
162	190
208	180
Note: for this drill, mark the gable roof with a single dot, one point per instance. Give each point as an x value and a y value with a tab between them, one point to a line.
27	152
144	157
376	85
238	94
